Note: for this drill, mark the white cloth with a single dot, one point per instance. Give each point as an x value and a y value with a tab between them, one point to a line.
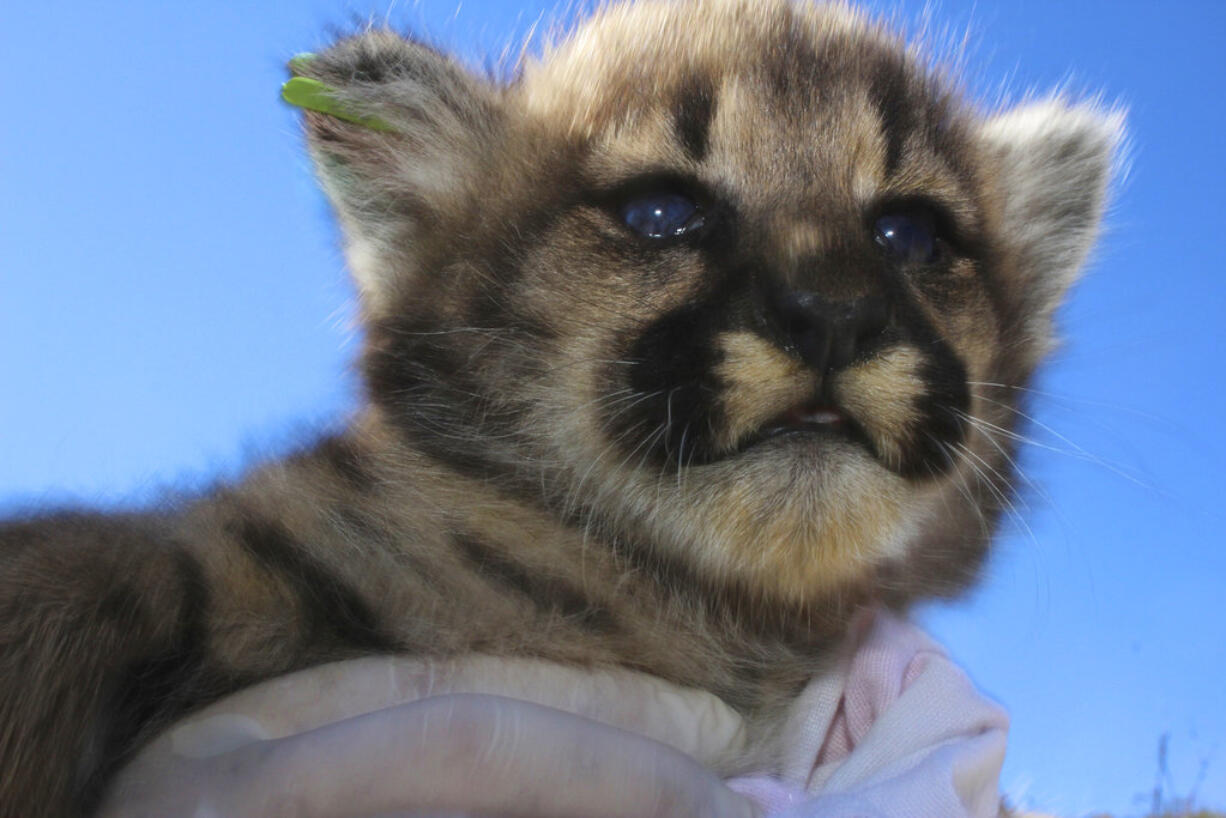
895	729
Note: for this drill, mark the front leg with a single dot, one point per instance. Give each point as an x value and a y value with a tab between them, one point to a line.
111	626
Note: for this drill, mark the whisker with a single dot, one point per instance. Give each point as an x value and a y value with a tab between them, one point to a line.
1077	451
1005	504
1073	401
983	427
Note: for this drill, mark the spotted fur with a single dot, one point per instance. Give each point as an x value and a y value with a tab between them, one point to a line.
693	457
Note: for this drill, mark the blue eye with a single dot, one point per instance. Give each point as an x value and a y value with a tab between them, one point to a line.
662	215
909	237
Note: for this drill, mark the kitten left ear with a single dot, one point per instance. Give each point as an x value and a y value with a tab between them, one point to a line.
400	134
1052	165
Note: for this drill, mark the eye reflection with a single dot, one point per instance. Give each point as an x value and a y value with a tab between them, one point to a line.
909	237
662	215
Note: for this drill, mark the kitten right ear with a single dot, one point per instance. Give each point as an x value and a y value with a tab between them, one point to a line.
1053	164
405	151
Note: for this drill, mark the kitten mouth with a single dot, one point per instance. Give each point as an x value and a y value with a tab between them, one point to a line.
816	417
807	417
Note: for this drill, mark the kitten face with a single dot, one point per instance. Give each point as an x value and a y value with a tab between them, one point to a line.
721	276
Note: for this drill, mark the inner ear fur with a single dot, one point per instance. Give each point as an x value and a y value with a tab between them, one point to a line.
1052	164
390	186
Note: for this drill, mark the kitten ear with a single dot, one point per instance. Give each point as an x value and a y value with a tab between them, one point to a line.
1052	164
401	148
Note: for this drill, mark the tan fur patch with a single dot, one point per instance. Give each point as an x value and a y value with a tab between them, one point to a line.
761	381
881	395
804	527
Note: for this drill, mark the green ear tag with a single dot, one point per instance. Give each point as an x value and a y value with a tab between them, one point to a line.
313	95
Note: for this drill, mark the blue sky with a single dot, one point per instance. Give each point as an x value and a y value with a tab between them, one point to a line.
173	304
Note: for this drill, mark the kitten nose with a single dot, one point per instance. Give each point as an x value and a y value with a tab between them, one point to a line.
829	335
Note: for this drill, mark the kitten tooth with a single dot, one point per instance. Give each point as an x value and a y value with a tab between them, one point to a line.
822	417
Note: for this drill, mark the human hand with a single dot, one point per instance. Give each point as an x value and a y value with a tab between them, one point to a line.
394	736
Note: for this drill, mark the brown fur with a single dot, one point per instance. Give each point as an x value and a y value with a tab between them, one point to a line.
567	450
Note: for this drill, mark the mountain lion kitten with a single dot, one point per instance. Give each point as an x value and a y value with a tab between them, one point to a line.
679	348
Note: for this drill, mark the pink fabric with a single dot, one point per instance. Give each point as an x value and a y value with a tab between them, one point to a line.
895	729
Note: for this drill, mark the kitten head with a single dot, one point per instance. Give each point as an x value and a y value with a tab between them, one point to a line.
742	280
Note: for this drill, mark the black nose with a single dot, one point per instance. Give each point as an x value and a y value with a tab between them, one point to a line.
829	335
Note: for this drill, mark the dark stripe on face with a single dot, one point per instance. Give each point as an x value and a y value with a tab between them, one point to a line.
695	107
675	414
793	67
889	91
672	416
335	613
424	382
423	373
547	594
